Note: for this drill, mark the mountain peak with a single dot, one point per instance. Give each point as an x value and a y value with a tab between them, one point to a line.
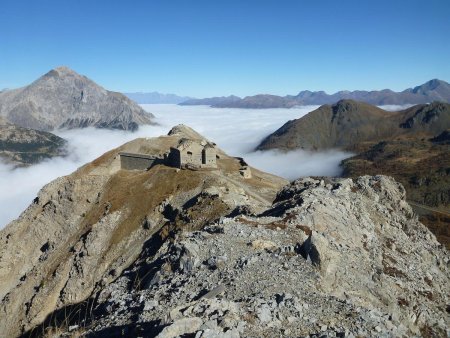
61	71
435	82
64	69
429	86
347	105
184	130
62	98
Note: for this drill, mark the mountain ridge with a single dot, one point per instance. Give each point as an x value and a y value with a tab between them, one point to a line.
433	90
349	123
211	101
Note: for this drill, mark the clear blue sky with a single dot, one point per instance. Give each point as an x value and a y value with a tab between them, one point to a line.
207	48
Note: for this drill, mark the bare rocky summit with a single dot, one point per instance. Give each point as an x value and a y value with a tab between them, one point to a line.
209	253
64	99
23	146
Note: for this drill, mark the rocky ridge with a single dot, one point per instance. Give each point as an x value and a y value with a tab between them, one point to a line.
64	99
334	258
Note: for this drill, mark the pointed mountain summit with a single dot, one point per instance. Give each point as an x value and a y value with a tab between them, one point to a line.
435	90
63	98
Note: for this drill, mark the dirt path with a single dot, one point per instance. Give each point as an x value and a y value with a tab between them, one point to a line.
429	209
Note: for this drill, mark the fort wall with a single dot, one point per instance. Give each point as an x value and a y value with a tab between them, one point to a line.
130	161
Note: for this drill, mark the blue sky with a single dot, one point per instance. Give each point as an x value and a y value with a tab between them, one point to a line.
208	48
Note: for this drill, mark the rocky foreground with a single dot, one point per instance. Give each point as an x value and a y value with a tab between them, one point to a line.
172	253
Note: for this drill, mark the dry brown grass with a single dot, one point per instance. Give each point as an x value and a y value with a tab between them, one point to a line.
141	192
307	230
272	225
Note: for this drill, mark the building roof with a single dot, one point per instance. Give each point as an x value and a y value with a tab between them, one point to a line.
187	144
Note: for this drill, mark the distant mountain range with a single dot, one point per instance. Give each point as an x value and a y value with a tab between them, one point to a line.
64	99
155	98
434	90
212	101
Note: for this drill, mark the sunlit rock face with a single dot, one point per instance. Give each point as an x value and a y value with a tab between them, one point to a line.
64	99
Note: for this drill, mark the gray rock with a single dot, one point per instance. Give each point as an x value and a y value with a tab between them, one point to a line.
264	314
181	327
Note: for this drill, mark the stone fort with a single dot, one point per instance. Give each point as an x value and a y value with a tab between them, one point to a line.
189	154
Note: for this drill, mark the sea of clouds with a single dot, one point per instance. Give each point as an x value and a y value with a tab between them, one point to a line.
236	131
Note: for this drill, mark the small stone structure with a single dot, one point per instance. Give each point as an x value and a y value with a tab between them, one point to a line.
245	172
129	161
193	154
190	154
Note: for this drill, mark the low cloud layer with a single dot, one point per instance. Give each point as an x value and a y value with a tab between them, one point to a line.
395	107
236	131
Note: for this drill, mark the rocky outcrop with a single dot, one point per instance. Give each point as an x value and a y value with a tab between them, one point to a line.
409	145
422	166
24	146
64	99
329	257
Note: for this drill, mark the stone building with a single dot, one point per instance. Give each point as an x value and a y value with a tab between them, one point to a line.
245	172
188	153
209	156
193	153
